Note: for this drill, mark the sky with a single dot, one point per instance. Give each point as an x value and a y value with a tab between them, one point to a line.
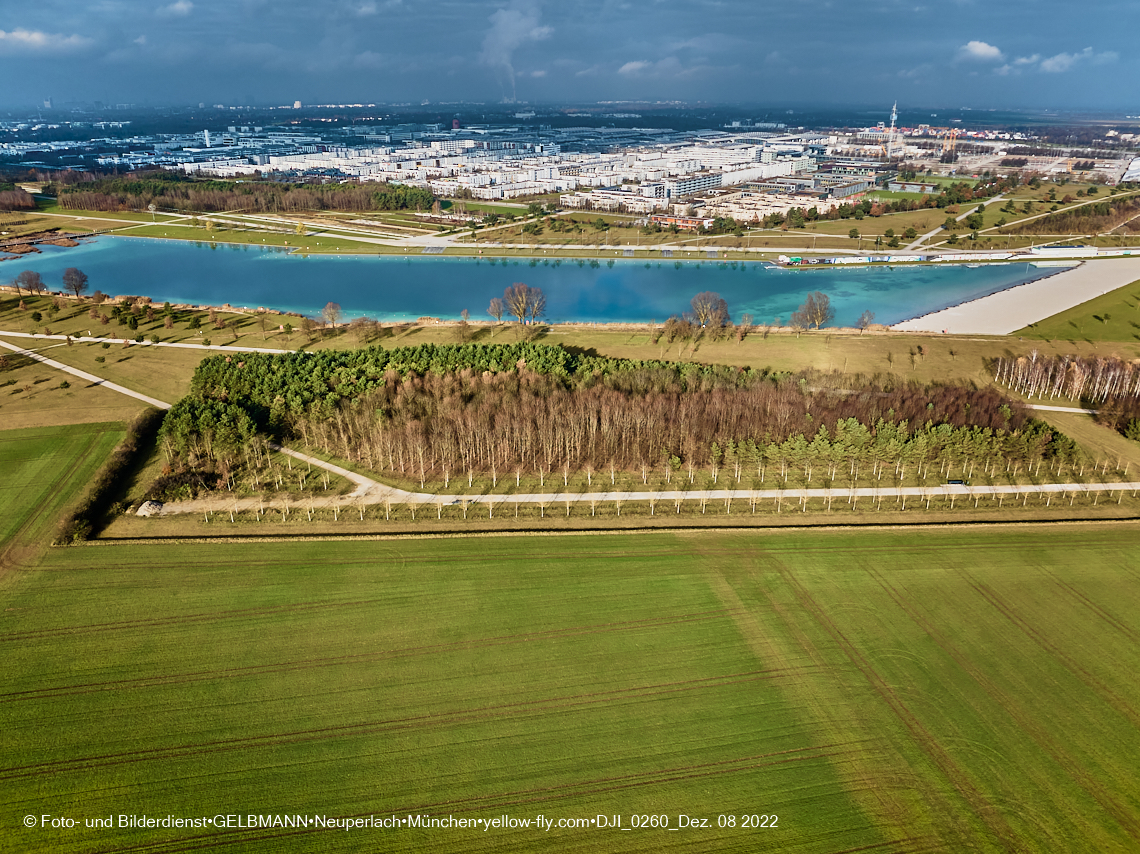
1006	54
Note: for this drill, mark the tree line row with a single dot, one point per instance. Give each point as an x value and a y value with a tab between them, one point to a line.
280	387
117	194
1090	379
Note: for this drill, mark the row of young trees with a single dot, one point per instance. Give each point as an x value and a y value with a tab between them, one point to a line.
1090	379
177	193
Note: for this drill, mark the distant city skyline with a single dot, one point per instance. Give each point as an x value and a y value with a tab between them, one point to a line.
1043	54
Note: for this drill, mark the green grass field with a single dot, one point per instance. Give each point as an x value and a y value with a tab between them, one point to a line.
43	469
969	691
1114	316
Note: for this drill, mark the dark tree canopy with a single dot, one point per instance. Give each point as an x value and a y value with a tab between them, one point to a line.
176	192
75	280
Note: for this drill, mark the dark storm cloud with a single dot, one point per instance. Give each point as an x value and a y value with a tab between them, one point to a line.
236	51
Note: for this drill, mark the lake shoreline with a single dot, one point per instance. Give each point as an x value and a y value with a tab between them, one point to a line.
621	293
1011	309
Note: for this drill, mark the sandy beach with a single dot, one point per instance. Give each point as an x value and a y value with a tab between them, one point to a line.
1010	310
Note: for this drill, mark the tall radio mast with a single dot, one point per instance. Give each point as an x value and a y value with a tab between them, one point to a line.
891	135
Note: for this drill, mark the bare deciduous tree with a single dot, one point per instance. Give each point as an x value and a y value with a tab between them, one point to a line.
865	320
745	327
309	327
815	311
29	280
709	309
524	302
463	330
75	280
331	313
496	309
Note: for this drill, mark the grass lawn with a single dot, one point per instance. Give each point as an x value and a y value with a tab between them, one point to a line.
19	223
1114	316
921	221
43	468
161	373
31	396
969	690
74	319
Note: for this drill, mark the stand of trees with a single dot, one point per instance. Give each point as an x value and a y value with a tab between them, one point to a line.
815	311
278	389
523	301
30	281
1089	379
174	192
441	410
15	199
437	426
1110	384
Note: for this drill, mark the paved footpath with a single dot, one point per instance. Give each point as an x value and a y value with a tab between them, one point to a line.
389	497
181	345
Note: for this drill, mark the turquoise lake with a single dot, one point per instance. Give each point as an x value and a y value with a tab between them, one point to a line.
402	288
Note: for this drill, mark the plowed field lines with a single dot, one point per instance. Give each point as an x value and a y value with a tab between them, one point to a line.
381	655
1026	722
431	720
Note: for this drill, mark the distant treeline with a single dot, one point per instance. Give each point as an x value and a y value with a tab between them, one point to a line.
439	410
1088	219
174	192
